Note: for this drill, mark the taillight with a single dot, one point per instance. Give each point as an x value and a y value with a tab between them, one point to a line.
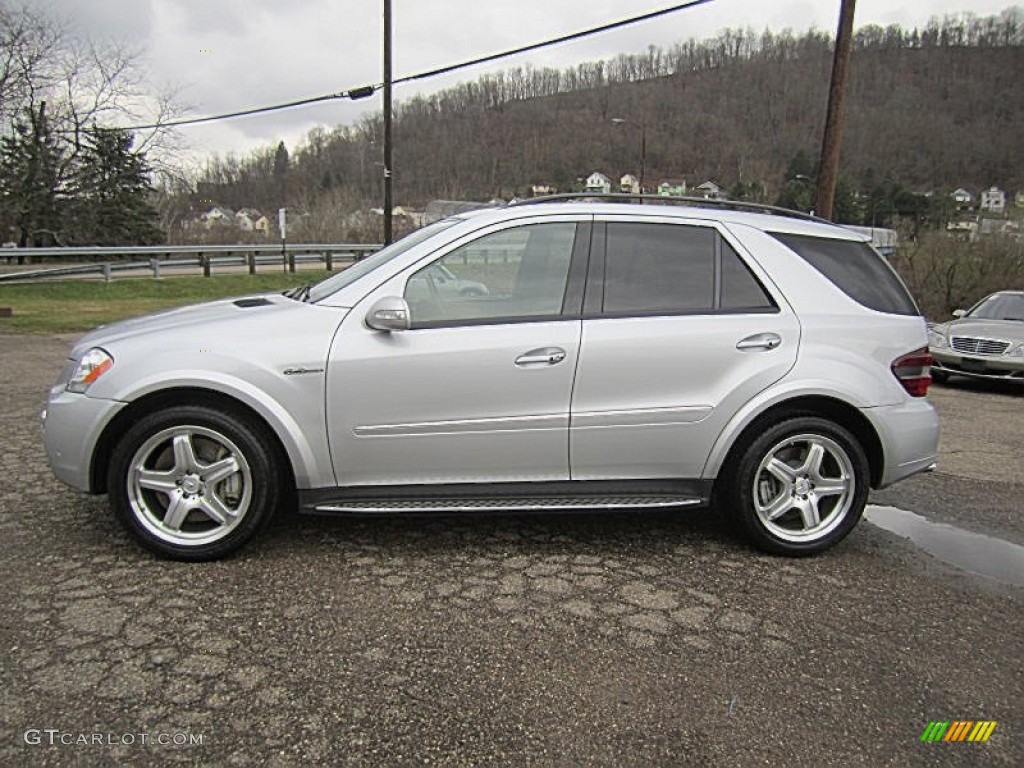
914	370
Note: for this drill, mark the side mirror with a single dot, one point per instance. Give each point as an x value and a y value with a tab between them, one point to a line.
959	312
390	313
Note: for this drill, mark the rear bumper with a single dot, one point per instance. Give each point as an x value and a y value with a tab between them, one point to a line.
910	438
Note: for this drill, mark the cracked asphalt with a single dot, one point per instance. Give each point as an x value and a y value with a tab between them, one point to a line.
586	640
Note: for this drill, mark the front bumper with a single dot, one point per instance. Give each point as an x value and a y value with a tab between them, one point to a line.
999	367
72	425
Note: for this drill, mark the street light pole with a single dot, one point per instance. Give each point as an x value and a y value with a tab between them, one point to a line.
643	144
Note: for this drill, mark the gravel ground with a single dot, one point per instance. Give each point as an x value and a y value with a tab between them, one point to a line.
606	640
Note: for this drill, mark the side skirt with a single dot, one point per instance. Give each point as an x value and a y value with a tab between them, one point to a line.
568	496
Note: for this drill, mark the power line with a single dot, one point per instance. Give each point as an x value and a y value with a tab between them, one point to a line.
553	41
368	90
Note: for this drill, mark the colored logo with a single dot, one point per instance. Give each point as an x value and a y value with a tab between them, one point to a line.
959	730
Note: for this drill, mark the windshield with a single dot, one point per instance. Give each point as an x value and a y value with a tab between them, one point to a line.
1000	306
334	283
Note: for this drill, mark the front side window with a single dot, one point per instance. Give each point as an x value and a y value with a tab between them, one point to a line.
515	274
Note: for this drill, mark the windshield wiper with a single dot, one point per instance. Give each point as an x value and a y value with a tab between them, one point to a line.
300	293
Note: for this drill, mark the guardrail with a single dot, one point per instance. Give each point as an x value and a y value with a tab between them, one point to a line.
106	261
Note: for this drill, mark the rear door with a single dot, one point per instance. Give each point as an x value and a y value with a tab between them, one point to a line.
679	331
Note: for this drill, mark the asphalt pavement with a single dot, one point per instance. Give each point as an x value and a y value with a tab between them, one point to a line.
653	639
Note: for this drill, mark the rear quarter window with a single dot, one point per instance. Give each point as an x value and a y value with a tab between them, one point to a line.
856	269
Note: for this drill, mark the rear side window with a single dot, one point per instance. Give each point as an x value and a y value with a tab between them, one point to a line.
856	269
659	268
676	269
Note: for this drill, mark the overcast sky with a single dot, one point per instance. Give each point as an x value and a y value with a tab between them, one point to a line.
228	55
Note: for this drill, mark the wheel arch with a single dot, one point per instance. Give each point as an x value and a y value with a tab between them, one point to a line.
842	413
177	396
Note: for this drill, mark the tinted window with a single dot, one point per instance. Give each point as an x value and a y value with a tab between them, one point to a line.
517	273
856	269
740	289
659	268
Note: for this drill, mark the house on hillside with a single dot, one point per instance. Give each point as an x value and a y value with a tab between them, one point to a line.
962	230
415	217
537	190
710	191
962	198
993	199
598	182
629	184
246	218
672	187
218	216
263	225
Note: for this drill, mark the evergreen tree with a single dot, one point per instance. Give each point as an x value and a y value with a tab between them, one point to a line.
111	190
31	161
281	174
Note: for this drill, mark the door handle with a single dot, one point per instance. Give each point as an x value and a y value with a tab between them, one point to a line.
542	356
760	341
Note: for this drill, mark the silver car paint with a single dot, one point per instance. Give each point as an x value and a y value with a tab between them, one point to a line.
362	422
447	405
235	351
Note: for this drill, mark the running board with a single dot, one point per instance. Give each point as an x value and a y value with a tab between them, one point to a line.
506	504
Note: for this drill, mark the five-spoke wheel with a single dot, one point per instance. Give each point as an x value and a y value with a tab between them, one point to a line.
799	487
193	483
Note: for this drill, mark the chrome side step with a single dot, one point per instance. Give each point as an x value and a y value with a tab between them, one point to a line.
507	504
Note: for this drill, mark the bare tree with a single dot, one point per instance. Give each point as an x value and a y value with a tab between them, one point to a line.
84	82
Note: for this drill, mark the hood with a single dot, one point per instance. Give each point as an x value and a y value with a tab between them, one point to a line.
1007	330
185	319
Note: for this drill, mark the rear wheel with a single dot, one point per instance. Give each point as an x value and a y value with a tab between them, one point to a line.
193	483
799	487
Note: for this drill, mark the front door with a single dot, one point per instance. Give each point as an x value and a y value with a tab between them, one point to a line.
478	389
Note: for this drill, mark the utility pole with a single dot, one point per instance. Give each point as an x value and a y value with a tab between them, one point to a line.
388	205
828	173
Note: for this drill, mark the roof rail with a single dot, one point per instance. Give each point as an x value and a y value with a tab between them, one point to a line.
623	197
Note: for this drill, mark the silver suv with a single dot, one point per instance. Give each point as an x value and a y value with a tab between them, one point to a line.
610	356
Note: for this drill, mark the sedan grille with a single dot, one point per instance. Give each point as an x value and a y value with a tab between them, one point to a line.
973	346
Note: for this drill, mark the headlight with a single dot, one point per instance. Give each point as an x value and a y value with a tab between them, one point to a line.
1017	351
937	339
93	364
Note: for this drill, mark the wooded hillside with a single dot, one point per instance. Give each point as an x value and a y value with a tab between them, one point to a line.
933	109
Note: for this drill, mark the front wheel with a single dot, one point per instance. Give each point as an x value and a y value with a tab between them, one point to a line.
799	487
193	483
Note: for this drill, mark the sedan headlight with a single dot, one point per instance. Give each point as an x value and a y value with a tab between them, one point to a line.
93	364
937	339
1017	351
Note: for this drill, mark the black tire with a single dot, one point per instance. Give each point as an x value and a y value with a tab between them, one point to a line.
754	488
159	492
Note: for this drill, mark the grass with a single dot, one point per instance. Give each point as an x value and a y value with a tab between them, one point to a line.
80	305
